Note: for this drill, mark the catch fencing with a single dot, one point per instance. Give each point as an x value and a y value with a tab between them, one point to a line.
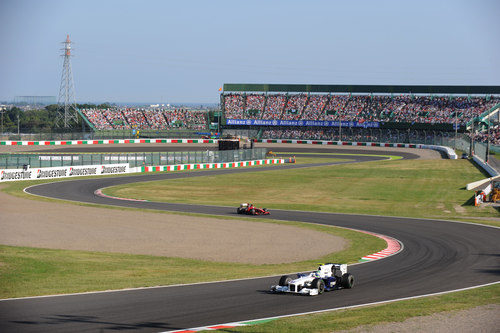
463	143
43	160
103	135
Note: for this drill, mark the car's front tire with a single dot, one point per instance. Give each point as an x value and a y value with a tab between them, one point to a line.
319	284
285	280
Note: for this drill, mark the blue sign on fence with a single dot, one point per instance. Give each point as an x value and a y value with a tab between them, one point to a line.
322	123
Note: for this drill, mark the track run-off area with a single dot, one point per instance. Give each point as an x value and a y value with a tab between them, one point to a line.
437	256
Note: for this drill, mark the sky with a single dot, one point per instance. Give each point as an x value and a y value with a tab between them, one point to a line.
183	51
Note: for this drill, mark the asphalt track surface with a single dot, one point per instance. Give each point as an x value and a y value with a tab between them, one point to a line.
437	256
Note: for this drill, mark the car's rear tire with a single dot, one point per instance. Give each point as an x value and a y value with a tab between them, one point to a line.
347	281
285	280
238	210
319	284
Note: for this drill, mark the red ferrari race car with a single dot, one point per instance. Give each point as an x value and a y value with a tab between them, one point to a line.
249	209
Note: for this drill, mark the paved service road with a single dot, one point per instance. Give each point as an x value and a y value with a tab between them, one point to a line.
437	256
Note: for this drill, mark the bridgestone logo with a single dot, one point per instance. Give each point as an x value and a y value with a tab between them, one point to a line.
6	175
119	169
52	173
82	171
60	172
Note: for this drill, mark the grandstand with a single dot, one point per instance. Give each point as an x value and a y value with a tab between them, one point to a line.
323	111
414	114
145	119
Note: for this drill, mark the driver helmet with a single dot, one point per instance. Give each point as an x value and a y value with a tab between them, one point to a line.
317	273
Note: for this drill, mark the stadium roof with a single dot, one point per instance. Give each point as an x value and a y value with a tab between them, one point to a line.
338	88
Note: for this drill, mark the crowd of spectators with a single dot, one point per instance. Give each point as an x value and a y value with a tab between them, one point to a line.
97	118
181	118
384	108
115	118
299	133
373	135
140	118
494	135
334	107
234	106
315	106
136	118
294	107
333	134
155	119
274	106
354	134
254	106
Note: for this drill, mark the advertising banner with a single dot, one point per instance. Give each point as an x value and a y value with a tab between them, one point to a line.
321	123
62	172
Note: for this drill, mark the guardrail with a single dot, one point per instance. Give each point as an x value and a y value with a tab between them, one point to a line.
449	152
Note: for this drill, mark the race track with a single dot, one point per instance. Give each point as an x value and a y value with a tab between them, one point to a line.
437	256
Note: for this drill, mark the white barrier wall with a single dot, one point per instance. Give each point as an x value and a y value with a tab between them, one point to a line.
450	152
110	169
486	167
62	172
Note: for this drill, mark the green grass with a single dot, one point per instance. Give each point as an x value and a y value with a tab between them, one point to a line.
416	188
34	271
373	315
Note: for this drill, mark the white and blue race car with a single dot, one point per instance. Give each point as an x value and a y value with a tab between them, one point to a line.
326	278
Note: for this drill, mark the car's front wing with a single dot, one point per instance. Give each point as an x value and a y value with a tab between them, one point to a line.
303	291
